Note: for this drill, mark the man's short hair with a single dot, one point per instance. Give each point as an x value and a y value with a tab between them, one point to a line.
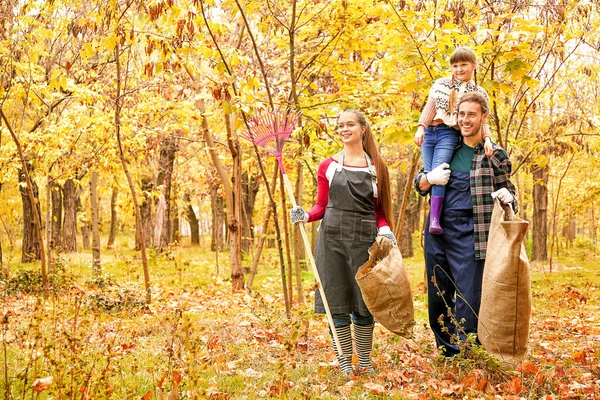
475	97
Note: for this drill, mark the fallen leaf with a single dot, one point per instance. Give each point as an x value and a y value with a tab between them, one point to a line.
148	395
515	386
375	388
528	367
41	384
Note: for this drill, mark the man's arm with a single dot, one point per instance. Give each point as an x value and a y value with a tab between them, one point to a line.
422	186
502	170
438	176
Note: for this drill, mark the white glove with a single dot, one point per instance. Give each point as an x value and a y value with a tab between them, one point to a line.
503	195
297	214
385	231
439	175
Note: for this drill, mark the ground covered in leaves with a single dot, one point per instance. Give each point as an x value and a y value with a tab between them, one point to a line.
97	338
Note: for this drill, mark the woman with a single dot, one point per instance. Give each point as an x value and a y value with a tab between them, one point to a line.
354	202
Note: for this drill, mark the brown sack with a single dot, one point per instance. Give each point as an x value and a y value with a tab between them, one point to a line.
385	287
506	290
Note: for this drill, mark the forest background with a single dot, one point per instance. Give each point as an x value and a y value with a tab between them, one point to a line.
122	165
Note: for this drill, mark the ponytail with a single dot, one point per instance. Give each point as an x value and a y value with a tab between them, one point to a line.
383	176
452	96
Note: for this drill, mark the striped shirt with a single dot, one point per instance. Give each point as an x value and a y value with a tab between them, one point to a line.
487	175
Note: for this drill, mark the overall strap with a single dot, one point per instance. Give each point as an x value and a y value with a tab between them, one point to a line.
370	166
373	174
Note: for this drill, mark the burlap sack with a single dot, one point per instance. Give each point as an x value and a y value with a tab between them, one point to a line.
385	288
506	293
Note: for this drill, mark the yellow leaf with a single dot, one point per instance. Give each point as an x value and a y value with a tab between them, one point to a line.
111	42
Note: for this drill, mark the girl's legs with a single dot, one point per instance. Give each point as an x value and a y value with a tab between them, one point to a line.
363	339
341	324
437	148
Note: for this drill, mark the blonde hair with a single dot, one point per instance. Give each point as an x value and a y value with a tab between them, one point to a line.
460	54
383	176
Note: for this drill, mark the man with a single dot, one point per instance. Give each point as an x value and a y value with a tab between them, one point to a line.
454	260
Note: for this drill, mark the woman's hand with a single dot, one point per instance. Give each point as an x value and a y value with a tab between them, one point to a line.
297	214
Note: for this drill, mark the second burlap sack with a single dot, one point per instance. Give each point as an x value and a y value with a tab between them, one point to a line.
385	287
506	290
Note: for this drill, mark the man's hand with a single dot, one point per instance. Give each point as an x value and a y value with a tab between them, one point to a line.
503	195
439	175
297	214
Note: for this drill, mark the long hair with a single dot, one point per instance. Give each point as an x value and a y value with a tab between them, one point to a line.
383	176
460	54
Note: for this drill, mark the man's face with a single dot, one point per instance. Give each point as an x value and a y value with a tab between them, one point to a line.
470	119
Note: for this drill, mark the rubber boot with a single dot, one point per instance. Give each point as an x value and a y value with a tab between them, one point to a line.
363	339
437	203
345	360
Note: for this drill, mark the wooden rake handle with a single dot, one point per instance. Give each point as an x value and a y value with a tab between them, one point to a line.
290	191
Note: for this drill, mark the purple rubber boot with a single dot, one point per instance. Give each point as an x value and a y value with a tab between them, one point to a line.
437	203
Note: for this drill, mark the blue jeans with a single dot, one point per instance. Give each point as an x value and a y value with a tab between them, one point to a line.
437	148
340	320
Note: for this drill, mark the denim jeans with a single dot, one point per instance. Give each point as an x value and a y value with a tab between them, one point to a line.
340	320
437	148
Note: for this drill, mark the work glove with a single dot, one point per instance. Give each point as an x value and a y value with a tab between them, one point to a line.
439	175
297	214
386	232
503	195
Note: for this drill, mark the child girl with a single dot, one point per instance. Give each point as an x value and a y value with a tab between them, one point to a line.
437	132
355	205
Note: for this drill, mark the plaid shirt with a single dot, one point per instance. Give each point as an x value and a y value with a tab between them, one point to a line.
488	174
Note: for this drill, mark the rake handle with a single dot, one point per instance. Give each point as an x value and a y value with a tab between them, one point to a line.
288	187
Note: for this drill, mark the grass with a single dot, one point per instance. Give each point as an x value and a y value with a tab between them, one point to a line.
197	339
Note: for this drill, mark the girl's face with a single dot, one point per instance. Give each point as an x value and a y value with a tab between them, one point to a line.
463	70
349	128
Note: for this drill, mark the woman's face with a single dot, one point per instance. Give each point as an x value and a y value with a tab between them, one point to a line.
349	128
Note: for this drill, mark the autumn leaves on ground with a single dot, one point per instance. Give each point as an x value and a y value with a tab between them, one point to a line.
97	338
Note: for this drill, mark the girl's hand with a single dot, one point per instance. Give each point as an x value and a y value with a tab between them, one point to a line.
488	146
420	135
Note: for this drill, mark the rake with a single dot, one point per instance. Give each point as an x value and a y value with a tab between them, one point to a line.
270	131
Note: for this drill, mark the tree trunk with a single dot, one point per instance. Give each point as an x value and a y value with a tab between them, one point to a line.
408	211
86	234
57	217
113	218
95	222
145	213
234	207
175	234
162	228
299	251
136	206
30	250
193	220
250	187
69	236
289	288
263	233
540	209
217	206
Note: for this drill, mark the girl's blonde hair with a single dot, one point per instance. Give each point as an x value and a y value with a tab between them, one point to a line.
383	176
460	54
